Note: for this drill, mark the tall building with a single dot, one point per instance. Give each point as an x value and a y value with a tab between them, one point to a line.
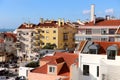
59	33
25	37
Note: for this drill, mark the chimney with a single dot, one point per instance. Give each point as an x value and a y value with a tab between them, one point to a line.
59	22
107	17
94	20
92	12
63	22
41	20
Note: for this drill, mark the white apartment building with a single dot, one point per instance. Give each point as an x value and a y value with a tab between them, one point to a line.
98	28
25	38
101	30
98	61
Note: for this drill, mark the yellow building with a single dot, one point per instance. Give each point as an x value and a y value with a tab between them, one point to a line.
58	32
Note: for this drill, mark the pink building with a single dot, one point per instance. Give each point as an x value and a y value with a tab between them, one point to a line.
56	67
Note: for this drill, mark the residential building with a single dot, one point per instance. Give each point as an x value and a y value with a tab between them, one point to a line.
25	38
101	30
56	67
7	45
59	33
99	60
98	28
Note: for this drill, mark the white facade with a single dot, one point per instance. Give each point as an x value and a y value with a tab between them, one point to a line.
23	71
97	33
108	69
25	39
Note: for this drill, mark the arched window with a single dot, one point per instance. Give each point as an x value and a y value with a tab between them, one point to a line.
112	52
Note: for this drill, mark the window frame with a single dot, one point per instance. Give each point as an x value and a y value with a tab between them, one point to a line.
111	55
51	69
86	69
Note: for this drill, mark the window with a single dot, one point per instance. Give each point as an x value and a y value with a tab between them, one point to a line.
92	51
47	31
112	31
54	31
86	70
31	34
111	54
89	39
97	71
42	31
54	38
51	69
88	31
42	44
47	37
65	36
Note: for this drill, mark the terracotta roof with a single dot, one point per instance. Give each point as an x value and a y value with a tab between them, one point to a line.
105	45
1	40
67	58
51	24
12	35
48	58
104	23
27	26
56	61
42	69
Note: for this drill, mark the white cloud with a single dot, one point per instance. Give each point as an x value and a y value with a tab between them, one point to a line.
86	11
109	11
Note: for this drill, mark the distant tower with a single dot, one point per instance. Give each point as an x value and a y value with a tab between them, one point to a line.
92	12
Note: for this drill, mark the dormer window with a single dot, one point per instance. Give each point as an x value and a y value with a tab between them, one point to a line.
51	69
112	52
93	49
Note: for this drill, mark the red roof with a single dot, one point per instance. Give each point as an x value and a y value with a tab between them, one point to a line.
67	58
105	45
11	35
27	26
104	23
1	40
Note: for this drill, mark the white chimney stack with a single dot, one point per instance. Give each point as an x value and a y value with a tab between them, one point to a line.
92	12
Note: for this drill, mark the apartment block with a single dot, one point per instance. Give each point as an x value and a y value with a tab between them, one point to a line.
100	30
59	33
25	38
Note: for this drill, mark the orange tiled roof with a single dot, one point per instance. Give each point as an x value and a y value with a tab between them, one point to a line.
1	40
58	57
51	24
12	35
105	45
27	26
104	23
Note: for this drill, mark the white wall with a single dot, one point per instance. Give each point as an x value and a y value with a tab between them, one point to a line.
23	71
110	68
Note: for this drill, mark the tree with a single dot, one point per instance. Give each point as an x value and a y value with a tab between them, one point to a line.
49	46
32	64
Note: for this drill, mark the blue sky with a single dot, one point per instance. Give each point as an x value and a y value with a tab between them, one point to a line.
15	12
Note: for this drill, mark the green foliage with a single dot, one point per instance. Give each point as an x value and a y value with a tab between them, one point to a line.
49	46
32	64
